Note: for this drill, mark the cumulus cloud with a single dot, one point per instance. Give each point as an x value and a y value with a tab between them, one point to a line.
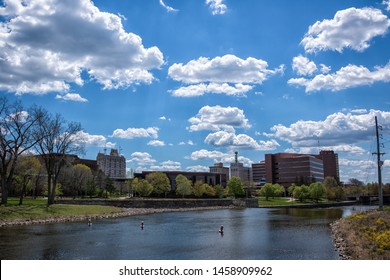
93	140
46	45
228	74
216	118
217	6
168	165
168	8
351	28
387	4
156	143
347	77
303	66
226	69
240	141
71	97
131	133
337	129
201	89
218	156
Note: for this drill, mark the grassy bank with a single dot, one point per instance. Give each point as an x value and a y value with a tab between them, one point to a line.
285	201
37	209
364	236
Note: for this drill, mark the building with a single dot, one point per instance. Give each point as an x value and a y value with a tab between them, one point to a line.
237	169
206	177
219	168
113	165
258	173
331	164
286	169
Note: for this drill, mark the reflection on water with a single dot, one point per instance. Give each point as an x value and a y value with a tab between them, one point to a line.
248	234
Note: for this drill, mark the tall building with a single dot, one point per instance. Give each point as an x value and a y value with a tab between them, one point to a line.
219	168
258	173
113	165
331	164
286	169
237	169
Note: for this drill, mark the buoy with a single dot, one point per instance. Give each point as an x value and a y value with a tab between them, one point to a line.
221	229
142	225
89	222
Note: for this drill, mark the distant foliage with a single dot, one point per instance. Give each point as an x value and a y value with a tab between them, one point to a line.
235	187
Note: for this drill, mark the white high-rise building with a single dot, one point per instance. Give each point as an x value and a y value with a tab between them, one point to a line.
113	165
239	170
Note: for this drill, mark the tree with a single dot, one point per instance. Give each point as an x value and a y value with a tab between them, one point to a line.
17	130
56	139
267	191
209	190
317	191
183	185
330	182
235	187
143	187
301	192
27	169
219	191
76	178
355	182
199	188
160	182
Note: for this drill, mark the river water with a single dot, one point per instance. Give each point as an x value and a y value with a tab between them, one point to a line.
252	233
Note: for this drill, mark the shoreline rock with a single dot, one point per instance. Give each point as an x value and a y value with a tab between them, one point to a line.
339	243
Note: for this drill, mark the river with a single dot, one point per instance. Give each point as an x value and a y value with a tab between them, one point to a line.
251	233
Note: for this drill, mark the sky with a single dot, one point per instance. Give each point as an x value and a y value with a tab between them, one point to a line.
182	84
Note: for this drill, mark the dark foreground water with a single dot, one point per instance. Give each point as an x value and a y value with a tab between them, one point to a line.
248	234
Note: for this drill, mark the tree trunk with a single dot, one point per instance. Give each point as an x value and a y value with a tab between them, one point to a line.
22	194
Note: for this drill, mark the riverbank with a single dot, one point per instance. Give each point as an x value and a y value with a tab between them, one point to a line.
112	212
363	236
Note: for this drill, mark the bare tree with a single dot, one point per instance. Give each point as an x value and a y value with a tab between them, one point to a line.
60	139
17	130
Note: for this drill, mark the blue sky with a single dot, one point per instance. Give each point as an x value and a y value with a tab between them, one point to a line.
179	85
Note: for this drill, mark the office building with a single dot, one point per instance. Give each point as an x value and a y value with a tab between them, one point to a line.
113	165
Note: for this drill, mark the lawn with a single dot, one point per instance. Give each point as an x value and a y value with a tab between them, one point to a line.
37	209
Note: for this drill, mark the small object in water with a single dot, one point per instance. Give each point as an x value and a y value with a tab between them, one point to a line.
89	222
142	225
221	229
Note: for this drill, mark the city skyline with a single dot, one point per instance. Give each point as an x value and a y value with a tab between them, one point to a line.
180	85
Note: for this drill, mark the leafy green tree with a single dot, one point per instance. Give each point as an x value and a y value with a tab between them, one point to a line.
317	191
219	191
209	190
160	182
268	190
183	185
27	169
301	192
143	187
199	189
235	187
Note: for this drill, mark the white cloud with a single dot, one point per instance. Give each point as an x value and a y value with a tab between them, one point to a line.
202	88
156	143
198	168
345	148
351	28
216	118
303	66
217	6
347	77
240	141
189	142
46	45
387	4
337	129
71	97
93	140
141	158
218	156
168	165
132	133
225	69
168	8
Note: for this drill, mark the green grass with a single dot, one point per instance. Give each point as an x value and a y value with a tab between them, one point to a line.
33	209
283	201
